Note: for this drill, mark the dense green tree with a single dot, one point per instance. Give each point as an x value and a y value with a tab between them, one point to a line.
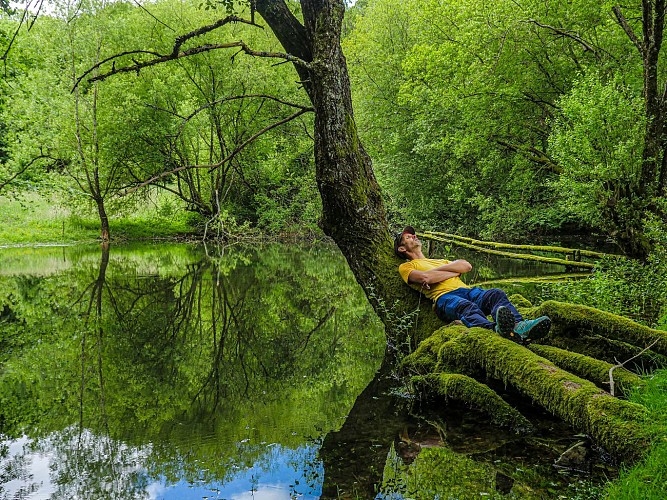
597	141
68	132
214	136
208	139
459	102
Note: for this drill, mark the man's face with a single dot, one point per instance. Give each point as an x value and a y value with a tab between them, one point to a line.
410	242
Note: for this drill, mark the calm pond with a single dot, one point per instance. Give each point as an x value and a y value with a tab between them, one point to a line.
162	372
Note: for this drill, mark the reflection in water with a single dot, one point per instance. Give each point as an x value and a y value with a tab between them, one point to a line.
279	472
159	372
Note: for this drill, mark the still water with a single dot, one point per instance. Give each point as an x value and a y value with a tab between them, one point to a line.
165	372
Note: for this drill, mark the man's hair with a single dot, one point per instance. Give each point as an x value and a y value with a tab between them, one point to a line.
398	240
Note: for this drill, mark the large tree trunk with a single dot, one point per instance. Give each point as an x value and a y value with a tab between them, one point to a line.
354	216
353	212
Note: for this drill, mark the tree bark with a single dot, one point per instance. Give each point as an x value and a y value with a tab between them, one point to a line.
104	219
353	211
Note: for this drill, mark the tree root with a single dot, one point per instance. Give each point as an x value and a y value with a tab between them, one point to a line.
615	424
479	396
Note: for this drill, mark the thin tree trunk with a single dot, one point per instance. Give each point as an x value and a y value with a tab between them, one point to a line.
104	219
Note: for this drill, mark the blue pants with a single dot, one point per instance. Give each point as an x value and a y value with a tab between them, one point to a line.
473	305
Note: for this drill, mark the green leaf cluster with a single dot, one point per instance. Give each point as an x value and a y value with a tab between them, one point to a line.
502	119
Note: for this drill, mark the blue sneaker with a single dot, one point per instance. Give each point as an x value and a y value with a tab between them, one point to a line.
533	329
504	322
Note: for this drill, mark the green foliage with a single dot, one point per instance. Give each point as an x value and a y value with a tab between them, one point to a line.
597	139
36	219
625	287
647	480
500	118
182	115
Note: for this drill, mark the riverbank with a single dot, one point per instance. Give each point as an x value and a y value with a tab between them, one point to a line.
34	219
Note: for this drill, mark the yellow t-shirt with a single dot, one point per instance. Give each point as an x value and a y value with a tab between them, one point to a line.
436	289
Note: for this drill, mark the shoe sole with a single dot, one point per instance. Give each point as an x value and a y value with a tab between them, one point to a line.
539	331
505	322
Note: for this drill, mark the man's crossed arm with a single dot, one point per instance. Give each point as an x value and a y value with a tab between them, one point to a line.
438	274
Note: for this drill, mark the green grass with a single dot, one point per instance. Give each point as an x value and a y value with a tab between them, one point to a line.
40	220
648	479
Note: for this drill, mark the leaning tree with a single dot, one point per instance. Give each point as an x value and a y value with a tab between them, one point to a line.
451	362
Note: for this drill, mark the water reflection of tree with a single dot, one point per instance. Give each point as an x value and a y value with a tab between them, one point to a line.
354	456
143	362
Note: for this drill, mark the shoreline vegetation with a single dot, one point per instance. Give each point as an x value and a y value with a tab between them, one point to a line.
34	220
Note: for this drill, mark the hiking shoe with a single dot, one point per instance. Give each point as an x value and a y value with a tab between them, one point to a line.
533	329
504	322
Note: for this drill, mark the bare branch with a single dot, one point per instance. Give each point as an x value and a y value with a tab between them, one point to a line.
229	157
90	70
533	154
24	16
234	98
568	34
26	167
176	52
153	16
627	28
620	365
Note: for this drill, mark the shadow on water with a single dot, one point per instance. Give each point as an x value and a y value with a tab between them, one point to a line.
160	372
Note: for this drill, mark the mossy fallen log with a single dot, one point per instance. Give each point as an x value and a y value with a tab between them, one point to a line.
574	252
592	369
549	278
512	255
615	424
577	320
609	350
